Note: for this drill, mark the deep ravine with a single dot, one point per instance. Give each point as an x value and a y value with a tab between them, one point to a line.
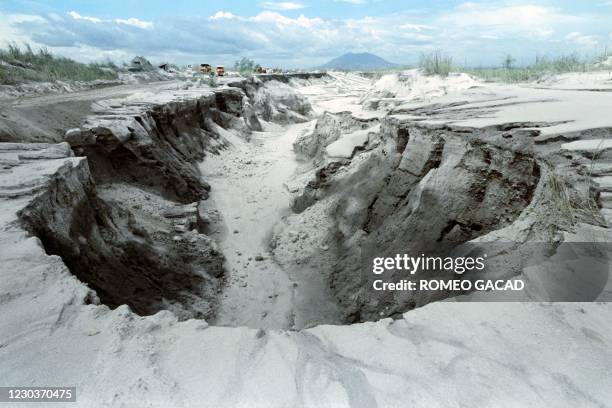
250	194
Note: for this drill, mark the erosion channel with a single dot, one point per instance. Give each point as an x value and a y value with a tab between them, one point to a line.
249	204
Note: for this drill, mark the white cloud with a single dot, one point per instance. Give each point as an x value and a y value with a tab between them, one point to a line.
282	5
581	39
467	5
8	32
308	22
415	27
271	17
55	17
355	2
132	21
474	32
220	15
279	20
524	20
21	18
77	16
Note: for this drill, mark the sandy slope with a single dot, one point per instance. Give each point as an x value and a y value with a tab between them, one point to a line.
343	93
248	189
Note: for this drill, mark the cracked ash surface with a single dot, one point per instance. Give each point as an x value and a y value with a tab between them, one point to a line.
161	232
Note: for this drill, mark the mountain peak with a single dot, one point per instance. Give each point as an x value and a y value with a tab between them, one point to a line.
358	61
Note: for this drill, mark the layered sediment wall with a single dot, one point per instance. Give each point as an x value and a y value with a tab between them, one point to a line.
153	253
416	187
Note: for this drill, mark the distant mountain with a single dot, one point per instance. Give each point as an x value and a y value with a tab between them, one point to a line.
359	62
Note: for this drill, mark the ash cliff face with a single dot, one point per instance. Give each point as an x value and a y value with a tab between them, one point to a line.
416	187
103	246
441	187
273	100
128	215
160	146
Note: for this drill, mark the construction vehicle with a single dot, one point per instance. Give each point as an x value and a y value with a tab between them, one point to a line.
220	70
140	64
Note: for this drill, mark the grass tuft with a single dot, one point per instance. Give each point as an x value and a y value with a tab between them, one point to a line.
541	67
18	65
436	63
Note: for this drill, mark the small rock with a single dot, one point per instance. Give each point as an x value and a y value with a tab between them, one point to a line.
259	258
260	333
73	133
203	219
236	231
76	137
181	211
180	228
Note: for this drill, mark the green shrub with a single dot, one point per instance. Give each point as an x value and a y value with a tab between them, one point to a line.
245	66
436	63
211	81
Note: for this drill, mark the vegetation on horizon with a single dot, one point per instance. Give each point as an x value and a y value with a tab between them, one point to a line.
541	67
19	65
438	63
246	66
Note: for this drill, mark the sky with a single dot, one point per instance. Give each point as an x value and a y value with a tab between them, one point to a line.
307	33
